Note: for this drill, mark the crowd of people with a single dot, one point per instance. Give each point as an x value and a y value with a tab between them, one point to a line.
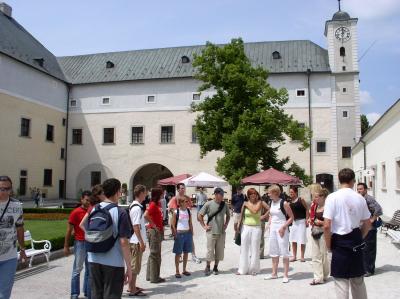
109	241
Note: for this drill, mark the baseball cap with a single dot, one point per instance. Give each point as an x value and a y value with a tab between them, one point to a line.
219	190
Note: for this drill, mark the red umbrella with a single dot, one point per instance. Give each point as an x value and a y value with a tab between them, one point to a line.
271	176
174	180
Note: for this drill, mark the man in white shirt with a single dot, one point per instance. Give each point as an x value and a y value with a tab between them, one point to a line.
346	224
138	239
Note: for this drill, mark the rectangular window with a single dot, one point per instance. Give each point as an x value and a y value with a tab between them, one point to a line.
194	135
398	173
105	101
344	90
137	135
25	127
73	103
48	177
22	186
300	92
62	153
345	114
76	136
321	146
384	175
151	99
302	125
95	178
167	134
108	135
50	133
64	122
196	97
23	173
346	152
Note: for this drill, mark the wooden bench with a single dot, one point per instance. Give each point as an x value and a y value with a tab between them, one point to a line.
393	224
32	252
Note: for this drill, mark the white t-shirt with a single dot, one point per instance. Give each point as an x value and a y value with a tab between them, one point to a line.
137	218
183	221
346	208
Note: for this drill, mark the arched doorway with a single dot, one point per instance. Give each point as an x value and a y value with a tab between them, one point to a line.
325	180
149	174
91	175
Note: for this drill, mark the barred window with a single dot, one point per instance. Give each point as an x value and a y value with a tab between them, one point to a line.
76	136
25	127
108	136
137	135
167	134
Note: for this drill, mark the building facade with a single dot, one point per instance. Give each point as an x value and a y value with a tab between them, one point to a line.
127	113
376	160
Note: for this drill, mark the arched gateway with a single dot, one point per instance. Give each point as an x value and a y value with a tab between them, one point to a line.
149	174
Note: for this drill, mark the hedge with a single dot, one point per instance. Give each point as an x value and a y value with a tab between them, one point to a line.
47	211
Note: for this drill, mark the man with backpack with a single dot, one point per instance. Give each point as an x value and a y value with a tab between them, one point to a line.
107	238
138	239
218	219
80	253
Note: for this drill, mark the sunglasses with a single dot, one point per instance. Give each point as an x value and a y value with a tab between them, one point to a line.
5	189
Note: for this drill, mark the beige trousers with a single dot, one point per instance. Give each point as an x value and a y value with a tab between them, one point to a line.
320	261
356	284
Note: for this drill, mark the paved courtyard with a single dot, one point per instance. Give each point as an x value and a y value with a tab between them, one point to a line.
42	282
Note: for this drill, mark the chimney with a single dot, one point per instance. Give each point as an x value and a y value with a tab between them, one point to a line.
6	9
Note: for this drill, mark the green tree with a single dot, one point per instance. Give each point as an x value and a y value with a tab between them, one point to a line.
244	118
364	124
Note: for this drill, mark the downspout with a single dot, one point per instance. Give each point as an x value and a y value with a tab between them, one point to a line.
310	122
66	141
365	157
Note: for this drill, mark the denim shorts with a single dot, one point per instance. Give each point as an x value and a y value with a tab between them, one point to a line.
183	243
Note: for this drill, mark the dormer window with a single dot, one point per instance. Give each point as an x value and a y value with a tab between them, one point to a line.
109	64
342	51
185	59
39	61
276	55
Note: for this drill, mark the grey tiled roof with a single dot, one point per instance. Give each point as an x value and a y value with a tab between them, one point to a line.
296	56
19	44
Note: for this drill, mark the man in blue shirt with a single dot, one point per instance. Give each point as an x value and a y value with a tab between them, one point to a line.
237	202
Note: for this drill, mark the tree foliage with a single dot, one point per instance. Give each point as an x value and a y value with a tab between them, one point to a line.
364	124
245	117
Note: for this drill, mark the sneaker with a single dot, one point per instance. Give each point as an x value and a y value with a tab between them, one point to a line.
285	279
215	271
196	259
270	276
207	271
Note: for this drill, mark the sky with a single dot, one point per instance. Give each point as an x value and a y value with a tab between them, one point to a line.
76	27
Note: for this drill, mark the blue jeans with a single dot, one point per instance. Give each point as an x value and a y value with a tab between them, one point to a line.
80	259
7	273
199	207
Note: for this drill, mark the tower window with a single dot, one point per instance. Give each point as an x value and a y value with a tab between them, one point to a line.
39	61
276	55
106	101
109	64
342	51
343	68
300	92
185	59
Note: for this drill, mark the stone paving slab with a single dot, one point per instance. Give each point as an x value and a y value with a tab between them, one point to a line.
55	282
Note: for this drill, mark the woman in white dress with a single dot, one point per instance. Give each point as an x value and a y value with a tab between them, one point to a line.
279	221
298	230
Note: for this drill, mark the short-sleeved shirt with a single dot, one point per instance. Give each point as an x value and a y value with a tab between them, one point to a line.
217	223
122	229
12	219
237	202
136	214
346	208
75	219
201	198
154	212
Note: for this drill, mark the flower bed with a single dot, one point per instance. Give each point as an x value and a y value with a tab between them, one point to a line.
45	216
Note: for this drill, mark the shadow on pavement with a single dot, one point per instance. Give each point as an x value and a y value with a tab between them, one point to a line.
387	268
165	289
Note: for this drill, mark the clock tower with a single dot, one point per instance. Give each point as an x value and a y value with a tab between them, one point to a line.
341	34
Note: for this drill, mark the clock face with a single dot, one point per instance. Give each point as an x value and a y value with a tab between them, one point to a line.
342	34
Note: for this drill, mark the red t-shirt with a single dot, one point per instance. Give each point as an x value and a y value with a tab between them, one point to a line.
154	212
75	219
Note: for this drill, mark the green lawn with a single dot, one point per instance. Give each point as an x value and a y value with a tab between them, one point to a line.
45	230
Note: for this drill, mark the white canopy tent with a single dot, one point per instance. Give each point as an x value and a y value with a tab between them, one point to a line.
204	179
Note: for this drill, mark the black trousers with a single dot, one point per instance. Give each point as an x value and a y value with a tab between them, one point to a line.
370	251
106	282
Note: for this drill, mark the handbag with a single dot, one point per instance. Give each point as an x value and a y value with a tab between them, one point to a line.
377	223
238	234
317	232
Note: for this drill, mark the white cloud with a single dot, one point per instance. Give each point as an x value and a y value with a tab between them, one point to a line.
371	9
365	97
373	117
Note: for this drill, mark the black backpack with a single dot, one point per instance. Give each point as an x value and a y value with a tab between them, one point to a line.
282	207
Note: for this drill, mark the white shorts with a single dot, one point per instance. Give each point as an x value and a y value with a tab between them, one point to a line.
298	232
236	217
278	246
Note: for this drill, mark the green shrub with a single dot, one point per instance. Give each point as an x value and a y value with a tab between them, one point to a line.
47	211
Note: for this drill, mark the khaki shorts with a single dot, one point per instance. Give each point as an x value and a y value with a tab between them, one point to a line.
215	247
136	258
236	217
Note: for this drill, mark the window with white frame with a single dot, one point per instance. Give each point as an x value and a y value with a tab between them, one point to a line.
194	135
25	127
383	175
300	92
105	101
108	136
345	114
76	136
167	134
321	147
137	135
346	152
73	103
151	99
344	90
196	97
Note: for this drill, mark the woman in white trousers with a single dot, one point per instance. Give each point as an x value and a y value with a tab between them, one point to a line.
250	223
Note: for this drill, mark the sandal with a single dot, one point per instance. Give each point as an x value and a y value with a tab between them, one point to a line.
186	273
178	276
314	282
292	259
137	289
138	293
